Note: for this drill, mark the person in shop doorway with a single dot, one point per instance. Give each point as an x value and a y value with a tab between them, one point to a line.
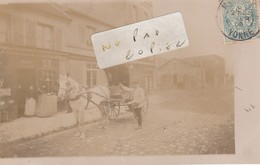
136	101
30	103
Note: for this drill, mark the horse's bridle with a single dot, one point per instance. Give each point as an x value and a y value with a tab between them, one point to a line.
66	90
88	98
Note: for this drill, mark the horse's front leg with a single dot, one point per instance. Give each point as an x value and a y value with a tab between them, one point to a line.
80	118
76	115
81	122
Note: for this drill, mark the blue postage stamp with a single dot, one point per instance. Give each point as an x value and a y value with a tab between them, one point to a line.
240	19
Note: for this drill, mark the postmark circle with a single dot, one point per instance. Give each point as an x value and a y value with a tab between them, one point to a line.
239	19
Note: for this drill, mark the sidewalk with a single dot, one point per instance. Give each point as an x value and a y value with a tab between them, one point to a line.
31	127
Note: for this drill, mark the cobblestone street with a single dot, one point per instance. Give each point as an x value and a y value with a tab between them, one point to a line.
185	122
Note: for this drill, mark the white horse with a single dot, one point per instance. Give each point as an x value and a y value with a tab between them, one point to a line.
80	98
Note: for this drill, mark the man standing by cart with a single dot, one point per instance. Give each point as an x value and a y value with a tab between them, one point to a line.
136	102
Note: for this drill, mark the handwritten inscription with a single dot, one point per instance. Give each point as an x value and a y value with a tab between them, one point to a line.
130	54
108	46
239	88
249	108
140	40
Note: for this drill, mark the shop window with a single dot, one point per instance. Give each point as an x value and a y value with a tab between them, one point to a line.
48	75
91	74
44	36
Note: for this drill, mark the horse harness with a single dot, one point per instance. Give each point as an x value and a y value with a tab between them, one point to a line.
76	98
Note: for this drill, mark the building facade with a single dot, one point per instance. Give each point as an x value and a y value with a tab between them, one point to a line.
191	72
214	66
180	74
40	41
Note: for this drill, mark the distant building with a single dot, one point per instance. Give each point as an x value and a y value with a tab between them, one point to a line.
180	74
198	71
214	66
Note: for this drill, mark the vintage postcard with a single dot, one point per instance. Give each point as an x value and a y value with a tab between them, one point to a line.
127	79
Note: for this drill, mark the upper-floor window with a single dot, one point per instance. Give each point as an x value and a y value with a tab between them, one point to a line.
91	74
85	33
44	36
89	31
3	30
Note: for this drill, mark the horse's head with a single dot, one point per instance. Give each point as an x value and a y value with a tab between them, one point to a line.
64	86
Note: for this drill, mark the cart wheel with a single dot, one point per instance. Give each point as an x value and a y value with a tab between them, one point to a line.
114	111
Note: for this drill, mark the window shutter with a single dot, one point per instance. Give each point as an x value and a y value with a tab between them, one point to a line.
31	33
82	34
58	38
18	29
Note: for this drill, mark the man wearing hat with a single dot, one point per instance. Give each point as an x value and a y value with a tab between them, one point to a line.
137	98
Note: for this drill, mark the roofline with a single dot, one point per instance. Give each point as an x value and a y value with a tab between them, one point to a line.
177	59
73	11
193	57
23	6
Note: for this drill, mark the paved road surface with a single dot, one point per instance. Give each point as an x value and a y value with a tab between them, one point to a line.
186	122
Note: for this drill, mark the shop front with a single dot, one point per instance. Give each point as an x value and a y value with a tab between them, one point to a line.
36	79
8	106
29	76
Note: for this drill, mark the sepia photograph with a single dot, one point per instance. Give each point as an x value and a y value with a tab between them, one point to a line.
61	97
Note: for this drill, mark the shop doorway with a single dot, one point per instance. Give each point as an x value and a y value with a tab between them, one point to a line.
26	77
